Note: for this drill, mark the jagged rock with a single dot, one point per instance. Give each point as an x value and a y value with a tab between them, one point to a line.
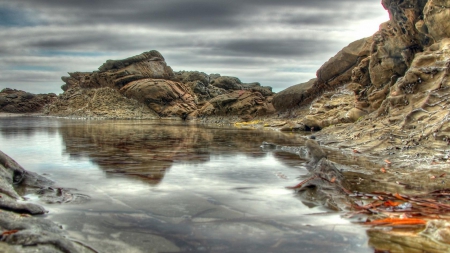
17	101
117	73
164	97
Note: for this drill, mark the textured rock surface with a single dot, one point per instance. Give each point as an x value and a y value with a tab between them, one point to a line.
164	97
105	103
117	73
146	80
17	101
395	68
21	231
243	103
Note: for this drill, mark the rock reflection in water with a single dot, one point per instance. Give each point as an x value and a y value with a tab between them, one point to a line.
223	193
147	150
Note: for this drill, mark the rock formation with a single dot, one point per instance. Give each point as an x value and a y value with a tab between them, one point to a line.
146	79
400	73
17	101
21	231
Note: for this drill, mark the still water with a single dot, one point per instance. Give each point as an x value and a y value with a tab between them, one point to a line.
164	186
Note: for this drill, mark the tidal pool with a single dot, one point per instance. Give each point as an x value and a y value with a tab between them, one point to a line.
165	186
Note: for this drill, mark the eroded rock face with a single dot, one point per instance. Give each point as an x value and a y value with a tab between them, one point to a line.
146	80
27	233
164	97
117	73
104	102
401	65
243	103
17	101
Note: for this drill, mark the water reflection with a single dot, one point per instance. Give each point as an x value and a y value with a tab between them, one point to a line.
160	186
148	149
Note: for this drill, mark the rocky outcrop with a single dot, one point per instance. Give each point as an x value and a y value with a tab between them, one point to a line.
336	72
243	103
17	101
396	72
117	73
146	80
164	97
295	96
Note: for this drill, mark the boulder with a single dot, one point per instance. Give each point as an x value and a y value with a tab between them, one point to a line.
164	97
337	70
294	96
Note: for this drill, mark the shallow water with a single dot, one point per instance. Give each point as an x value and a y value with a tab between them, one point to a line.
164	186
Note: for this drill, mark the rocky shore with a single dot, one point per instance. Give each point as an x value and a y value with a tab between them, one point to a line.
385	97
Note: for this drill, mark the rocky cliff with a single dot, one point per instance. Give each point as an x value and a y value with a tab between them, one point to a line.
387	93
143	86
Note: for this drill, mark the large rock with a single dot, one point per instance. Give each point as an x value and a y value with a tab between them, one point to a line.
117	73
165	97
337	70
244	103
17	101
295	95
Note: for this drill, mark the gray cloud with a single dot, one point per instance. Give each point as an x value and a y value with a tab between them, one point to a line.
278	43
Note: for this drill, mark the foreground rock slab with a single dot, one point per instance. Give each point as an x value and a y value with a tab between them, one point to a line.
21	230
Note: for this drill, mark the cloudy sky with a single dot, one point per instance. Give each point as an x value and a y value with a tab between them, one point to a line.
278	43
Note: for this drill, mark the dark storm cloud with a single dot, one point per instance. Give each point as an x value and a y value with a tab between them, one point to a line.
278	43
276	48
192	15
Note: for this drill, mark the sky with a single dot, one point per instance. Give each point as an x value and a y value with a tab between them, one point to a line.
278	43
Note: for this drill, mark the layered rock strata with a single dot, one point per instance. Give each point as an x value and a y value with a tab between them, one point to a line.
147	80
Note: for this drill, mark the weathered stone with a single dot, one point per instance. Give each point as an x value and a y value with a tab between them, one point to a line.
341	65
436	17
117	73
164	97
240	102
228	83
105	103
17	101
295	96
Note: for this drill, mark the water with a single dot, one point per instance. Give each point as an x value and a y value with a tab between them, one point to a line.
163	186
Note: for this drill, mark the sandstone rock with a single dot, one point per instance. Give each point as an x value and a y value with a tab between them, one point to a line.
354	114
294	96
436	17
164	97
117	73
104	103
341	65
17	101
240	102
